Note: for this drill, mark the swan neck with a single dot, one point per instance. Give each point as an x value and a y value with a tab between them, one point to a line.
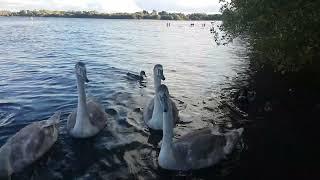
81	93
157	83
167	127
82	112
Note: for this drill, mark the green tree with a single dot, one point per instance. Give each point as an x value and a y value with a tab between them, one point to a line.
281	33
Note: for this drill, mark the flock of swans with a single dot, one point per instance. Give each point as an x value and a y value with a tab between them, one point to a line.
199	149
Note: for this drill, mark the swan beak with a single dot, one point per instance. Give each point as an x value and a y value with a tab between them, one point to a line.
161	75
86	78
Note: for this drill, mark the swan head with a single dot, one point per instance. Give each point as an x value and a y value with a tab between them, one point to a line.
163	94
143	74
81	71
158	72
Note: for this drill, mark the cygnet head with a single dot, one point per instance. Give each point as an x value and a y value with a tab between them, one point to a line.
158	72
81	71
143	74
163	94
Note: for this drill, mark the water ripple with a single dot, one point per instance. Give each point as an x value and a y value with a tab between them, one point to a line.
37	78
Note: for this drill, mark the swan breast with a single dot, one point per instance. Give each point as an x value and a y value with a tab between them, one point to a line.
148	111
97	116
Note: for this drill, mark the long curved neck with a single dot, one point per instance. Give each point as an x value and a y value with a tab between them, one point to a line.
157	110
157	82
167	157
82	103
167	128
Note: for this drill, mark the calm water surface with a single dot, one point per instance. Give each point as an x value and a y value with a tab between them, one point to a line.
37	62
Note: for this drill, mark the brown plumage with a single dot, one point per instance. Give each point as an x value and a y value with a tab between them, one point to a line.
147	113
97	116
28	145
202	148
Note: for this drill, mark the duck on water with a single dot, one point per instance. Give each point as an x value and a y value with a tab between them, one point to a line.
136	77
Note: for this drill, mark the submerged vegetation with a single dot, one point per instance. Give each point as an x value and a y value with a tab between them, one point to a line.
163	15
281	34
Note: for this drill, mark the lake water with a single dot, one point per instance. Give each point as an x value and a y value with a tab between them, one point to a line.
37	59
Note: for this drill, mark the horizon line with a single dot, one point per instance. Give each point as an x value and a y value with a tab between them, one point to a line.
105	12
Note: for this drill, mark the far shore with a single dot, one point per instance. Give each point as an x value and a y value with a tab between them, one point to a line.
154	15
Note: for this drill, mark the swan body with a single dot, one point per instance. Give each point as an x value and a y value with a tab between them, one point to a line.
140	77
198	149
152	114
28	145
89	118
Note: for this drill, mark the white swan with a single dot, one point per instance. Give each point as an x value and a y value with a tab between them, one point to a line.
152	114
89	118
199	149
28	145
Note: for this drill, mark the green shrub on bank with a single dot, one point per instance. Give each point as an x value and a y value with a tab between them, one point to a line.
281	33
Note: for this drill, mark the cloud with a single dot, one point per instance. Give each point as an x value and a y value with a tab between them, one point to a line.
99	5
114	5
187	6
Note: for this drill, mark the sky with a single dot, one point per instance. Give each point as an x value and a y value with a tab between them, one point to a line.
185	6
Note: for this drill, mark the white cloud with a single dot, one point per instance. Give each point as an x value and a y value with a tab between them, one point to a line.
114	5
188	6
99	5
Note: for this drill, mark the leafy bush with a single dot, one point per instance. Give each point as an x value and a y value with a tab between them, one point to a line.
281	33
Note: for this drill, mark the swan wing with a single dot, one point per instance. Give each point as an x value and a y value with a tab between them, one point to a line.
201	148
30	143
71	120
175	112
194	134
98	117
148	110
52	120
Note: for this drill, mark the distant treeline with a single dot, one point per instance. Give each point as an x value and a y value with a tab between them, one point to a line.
163	15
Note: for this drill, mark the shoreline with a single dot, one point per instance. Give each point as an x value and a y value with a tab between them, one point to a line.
279	126
108	18
154	15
